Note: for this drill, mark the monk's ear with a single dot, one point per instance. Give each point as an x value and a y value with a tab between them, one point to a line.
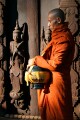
59	20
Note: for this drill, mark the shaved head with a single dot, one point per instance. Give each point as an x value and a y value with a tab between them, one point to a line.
57	12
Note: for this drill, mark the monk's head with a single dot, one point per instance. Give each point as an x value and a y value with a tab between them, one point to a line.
55	18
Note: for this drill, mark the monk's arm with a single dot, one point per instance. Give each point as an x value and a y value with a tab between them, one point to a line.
58	58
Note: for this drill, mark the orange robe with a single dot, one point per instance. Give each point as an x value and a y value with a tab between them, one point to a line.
56	102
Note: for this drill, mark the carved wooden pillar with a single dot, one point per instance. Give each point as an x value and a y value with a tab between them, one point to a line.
70	7
3	61
32	21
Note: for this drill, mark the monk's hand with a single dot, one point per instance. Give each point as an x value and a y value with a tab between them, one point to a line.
31	62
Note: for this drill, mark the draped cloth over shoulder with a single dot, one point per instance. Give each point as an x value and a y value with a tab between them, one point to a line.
57	57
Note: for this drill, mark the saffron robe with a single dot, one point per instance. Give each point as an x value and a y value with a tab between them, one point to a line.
55	101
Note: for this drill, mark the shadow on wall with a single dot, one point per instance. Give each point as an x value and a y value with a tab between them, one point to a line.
11	16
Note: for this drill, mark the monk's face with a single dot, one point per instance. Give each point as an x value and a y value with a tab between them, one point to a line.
52	21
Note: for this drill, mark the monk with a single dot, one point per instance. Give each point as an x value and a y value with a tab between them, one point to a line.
55	100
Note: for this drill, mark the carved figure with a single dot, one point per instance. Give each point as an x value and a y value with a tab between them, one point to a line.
17	45
16	78
70	16
17	61
45	38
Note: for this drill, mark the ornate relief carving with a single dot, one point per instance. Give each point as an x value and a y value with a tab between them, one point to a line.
70	16
77	110
1	26
74	82
67	3
1	52
17	67
70	9
2	89
1	19
2	59
1	9
45	38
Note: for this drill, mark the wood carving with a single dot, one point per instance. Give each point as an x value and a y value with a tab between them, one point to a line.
17	67
70	7
45	38
2	59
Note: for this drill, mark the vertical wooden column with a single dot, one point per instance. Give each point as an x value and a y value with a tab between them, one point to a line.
32	21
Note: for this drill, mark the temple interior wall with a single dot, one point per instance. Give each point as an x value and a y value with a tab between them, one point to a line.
34	16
